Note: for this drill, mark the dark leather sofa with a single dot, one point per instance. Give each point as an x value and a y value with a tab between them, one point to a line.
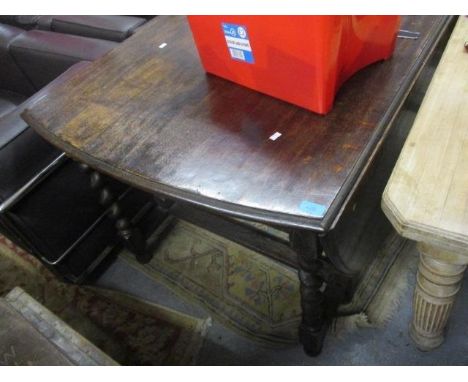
48	204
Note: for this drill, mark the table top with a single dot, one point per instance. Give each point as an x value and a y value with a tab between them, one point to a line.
426	197
151	117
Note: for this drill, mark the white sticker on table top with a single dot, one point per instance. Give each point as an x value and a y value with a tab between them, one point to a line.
275	136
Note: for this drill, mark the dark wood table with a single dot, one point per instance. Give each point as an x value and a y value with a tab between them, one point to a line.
151	117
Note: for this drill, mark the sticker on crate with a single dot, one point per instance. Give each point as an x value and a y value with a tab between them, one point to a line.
237	40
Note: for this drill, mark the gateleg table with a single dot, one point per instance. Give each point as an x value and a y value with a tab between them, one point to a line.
147	114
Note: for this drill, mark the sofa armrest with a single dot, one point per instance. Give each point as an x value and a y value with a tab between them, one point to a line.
45	55
112	28
25	158
25	22
11	124
11	76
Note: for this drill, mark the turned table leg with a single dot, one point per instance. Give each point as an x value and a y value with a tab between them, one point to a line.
439	278
313	326
131	236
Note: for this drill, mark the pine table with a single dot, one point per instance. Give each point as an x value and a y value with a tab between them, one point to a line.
426	198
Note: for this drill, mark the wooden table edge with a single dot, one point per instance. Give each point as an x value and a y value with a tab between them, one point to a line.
250	213
419	232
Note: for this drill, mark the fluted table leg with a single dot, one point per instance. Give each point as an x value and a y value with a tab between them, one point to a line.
439	278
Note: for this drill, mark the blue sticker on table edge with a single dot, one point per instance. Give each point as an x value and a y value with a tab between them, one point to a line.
312	208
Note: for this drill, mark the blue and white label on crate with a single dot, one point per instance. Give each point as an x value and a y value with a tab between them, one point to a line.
237	40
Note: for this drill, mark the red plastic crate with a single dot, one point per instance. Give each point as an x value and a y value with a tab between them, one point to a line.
299	59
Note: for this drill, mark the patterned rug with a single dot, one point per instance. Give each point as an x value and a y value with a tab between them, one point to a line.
254	295
131	331
241	288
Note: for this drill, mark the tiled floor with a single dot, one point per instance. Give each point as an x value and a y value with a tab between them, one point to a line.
389	345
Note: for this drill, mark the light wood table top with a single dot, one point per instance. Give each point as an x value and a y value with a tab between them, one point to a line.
152	118
426	198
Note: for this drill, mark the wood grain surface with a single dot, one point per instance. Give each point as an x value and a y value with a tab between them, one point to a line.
427	195
152	118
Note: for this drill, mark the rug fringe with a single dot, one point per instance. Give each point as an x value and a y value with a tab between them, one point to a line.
387	300
344	325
